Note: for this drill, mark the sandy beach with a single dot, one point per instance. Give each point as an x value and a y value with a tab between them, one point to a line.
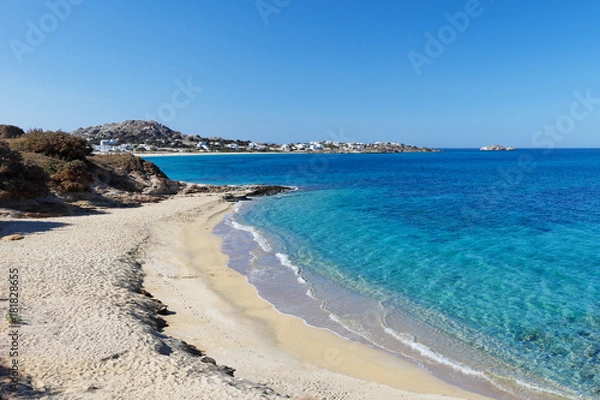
88	331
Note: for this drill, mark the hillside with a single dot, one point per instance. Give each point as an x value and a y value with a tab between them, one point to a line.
54	173
138	132
140	136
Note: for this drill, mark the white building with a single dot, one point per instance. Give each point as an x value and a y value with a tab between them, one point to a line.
255	146
147	147
106	145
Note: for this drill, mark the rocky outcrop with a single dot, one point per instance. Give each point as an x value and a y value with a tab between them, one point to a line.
132	174
496	147
266	190
245	193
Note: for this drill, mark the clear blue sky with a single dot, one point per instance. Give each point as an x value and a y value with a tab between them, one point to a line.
306	68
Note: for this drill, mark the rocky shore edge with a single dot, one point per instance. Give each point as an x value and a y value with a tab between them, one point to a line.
155	309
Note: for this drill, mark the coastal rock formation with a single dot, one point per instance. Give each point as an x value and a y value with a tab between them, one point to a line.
266	190
496	147
245	193
129	173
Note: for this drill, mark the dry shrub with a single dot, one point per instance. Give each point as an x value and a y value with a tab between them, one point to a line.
10	132
19	180
11	161
74	177
57	144
48	164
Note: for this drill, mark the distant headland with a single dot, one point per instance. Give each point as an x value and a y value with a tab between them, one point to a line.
152	137
56	172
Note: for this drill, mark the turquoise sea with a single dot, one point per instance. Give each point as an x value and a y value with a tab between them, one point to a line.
483	267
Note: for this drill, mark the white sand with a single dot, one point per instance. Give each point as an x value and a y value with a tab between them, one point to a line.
87	334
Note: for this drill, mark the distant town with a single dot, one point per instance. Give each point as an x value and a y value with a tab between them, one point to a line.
151	137
220	145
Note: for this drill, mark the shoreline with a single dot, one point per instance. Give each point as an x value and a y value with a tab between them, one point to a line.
307	350
232	153
299	152
89	331
317	313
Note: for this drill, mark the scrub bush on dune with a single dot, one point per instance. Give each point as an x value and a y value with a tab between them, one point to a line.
55	144
74	177
19	180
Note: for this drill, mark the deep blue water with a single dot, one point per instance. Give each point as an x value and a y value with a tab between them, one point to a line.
482	266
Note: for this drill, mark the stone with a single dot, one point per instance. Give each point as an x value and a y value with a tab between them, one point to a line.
16	236
209	360
227	370
191	349
162	310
